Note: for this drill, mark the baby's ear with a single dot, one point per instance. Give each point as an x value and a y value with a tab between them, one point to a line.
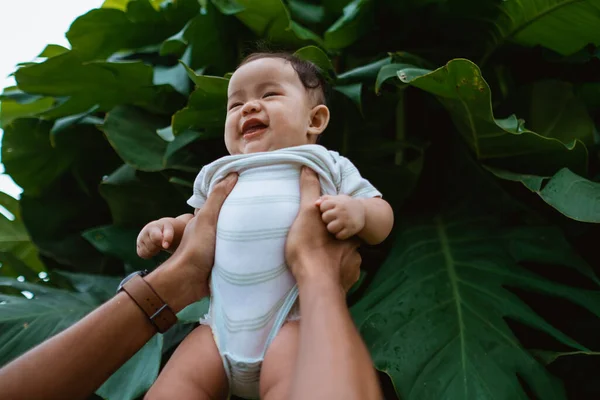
319	119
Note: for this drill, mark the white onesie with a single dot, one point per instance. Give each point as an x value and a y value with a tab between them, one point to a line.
252	290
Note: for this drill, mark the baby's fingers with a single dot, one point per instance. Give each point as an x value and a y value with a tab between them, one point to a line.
335	227
343	234
155	235
326	204
147	249
167	236
329	216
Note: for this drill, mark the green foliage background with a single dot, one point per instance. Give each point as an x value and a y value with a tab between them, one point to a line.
476	119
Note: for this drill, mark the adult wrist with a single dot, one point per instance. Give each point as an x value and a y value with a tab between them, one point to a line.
177	287
311	268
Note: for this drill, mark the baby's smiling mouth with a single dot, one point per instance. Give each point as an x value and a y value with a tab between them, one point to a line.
252	126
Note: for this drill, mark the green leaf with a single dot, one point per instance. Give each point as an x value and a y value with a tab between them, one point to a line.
136	376
194	311
564	26
270	19
388	72
52	50
54	222
569	193
29	158
102	32
85	118
434	315
461	88
548	357
132	133
122	4
356	21
120	243
25	323
319	58
101	83
213	47
353	92
307	12
101	286
228	7
363	73
11	110
557	113
207	106
136	198
18	255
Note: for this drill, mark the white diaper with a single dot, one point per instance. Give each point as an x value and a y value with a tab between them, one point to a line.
252	289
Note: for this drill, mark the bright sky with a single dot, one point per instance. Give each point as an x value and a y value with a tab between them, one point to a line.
26	27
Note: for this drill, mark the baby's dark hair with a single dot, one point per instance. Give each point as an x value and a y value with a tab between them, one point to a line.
310	75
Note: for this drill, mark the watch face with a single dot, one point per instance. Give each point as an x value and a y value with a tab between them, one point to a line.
128	277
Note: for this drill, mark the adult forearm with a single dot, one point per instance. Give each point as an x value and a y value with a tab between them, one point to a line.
74	363
333	361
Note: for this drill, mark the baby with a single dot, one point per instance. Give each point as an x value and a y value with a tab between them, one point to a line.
275	112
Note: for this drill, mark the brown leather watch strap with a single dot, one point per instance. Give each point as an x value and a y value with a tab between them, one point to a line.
158	312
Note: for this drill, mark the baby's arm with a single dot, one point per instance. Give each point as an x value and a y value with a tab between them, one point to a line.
162	234
369	218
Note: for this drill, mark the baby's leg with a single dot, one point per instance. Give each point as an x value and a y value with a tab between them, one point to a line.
278	366
194	371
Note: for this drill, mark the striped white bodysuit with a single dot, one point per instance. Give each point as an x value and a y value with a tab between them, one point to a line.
252	290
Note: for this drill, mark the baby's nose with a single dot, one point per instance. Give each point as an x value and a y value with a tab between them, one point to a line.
250	107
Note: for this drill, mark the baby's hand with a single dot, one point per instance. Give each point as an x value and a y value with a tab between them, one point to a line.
155	236
343	215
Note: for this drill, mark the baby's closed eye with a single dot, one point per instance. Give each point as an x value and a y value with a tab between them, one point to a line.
270	94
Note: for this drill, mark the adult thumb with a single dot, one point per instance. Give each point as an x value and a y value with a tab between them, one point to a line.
217	197
310	188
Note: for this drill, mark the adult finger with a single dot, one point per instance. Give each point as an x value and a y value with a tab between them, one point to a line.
352	272
310	189
215	200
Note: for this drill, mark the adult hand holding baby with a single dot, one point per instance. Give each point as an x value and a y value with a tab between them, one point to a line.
333	361
311	251
194	256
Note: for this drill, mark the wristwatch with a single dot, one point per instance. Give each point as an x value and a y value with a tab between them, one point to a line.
159	313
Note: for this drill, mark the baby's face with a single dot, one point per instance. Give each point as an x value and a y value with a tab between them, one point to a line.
268	108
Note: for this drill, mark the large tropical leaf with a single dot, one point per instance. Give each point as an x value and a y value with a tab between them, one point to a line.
136	198
29	157
269	19
356	20
18	255
572	195
434	315
136	376
207	105
120	243
209	46
14	104
87	84
24	323
101	32
555	111
460	87
132	133
564	26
